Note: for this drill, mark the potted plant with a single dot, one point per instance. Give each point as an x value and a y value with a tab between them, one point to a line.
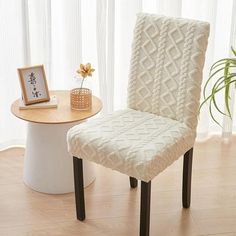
222	76
81	98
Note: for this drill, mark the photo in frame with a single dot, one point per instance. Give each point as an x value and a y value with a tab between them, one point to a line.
33	84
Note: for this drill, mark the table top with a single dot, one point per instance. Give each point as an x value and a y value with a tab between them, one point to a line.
62	114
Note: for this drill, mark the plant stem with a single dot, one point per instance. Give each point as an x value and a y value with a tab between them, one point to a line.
82	83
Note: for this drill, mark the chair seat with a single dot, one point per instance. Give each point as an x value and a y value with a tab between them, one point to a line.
139	144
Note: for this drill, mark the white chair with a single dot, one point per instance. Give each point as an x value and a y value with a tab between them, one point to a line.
160	122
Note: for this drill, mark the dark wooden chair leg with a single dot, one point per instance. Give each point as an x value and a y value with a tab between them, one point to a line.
133	182
187	175
145	208
79	188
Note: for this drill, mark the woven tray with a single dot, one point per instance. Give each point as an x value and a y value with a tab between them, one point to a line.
81	99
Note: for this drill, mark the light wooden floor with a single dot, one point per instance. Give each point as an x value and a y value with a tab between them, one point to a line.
113	209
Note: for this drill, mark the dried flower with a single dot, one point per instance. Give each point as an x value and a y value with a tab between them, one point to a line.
85	70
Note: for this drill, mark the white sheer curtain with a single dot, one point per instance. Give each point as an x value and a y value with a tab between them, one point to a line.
61	34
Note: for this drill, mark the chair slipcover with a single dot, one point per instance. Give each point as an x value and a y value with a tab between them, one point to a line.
163	99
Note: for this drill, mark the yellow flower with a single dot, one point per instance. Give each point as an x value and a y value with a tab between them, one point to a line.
85	70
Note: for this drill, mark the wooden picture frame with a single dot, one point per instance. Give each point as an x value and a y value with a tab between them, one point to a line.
33	84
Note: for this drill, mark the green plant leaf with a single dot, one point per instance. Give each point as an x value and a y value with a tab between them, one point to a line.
227	87
230	82
215	104
211	114
216	90
223	59
227	96
221	79
211	77
232	61
222	66
234	52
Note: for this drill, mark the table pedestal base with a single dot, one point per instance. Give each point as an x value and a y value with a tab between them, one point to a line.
48	166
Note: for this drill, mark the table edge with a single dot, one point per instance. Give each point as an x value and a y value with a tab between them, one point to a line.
56	123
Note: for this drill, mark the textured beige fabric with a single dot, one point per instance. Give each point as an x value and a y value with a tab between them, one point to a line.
163	97
166	68
136	143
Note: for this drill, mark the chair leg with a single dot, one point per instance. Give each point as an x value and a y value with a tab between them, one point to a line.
133	182
79	188
145	208
187	175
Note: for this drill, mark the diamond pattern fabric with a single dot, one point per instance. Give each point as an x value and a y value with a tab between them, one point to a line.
166	67
136	143
163	98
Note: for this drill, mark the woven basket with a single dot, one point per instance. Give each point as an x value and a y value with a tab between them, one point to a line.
81	99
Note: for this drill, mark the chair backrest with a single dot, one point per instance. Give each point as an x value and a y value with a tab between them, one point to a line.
168	55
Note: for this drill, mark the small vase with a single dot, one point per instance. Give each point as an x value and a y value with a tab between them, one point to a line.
81	99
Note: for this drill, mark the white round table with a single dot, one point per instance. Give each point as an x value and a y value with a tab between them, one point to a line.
48	166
